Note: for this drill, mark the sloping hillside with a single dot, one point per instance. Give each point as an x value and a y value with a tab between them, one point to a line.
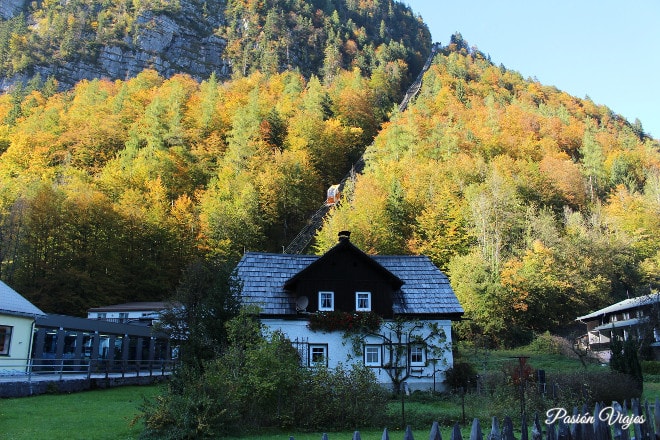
540	206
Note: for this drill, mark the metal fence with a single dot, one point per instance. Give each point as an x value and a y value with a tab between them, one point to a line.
61	369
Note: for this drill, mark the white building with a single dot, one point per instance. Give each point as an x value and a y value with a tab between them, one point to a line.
129	313
636	318
17	317
392	313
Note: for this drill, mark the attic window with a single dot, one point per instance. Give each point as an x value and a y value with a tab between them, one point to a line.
363	301
326	301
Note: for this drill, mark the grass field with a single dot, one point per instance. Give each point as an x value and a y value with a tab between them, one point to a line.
89	415
107	415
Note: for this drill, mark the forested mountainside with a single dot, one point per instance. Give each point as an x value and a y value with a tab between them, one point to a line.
108	191
68	41
539	205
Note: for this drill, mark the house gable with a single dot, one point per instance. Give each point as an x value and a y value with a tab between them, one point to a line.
355	282
277	283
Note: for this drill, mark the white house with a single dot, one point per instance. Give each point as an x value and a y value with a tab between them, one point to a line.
637	317
17	317
392	313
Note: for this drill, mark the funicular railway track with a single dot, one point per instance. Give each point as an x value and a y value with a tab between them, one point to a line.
305	236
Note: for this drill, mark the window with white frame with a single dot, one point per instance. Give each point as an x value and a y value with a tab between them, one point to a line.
363	301
372	355
5	338
318	355
417	355
326	301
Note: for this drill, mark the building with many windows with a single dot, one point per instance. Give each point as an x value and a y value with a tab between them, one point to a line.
140	313
392	313
637	318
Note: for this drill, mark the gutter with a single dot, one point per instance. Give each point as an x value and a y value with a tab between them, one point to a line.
29	353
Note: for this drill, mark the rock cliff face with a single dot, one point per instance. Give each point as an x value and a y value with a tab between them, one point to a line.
9	8
170	44
73	40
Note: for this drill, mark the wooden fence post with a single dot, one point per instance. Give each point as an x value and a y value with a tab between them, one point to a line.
456	433
356	435
551	432
435	432
602	430
408	435
523	428
563	431
619	432
507	429
476	433
537	431
495	433
386	435
656	419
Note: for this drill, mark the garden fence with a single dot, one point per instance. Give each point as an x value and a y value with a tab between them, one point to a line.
614	422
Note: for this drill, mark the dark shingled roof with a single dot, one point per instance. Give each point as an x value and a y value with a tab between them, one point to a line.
425	290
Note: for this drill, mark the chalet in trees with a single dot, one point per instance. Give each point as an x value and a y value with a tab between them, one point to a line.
636	318
392	313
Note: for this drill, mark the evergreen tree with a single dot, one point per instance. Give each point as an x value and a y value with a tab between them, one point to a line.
625	358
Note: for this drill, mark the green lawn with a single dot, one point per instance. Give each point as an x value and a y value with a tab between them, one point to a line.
97	415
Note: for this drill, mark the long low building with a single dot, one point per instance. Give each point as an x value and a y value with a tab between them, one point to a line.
61	339
33	342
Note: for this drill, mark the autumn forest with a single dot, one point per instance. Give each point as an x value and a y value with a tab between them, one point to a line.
538	205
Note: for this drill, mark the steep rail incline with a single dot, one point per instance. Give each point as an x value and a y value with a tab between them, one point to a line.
305	236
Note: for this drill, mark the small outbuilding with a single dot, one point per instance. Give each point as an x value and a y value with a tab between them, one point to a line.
17	320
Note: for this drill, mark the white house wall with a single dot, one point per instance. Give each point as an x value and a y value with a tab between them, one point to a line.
429	376
19	344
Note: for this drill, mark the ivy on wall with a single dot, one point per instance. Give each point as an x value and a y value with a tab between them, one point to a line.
345	321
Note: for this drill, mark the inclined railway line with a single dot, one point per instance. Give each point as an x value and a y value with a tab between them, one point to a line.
305	236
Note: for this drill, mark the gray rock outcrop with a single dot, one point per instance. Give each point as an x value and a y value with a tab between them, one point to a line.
170	44
9	8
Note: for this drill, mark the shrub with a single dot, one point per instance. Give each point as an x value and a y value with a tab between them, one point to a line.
340	398
192	406
651	367
590	387
545	343
462	374
259	383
